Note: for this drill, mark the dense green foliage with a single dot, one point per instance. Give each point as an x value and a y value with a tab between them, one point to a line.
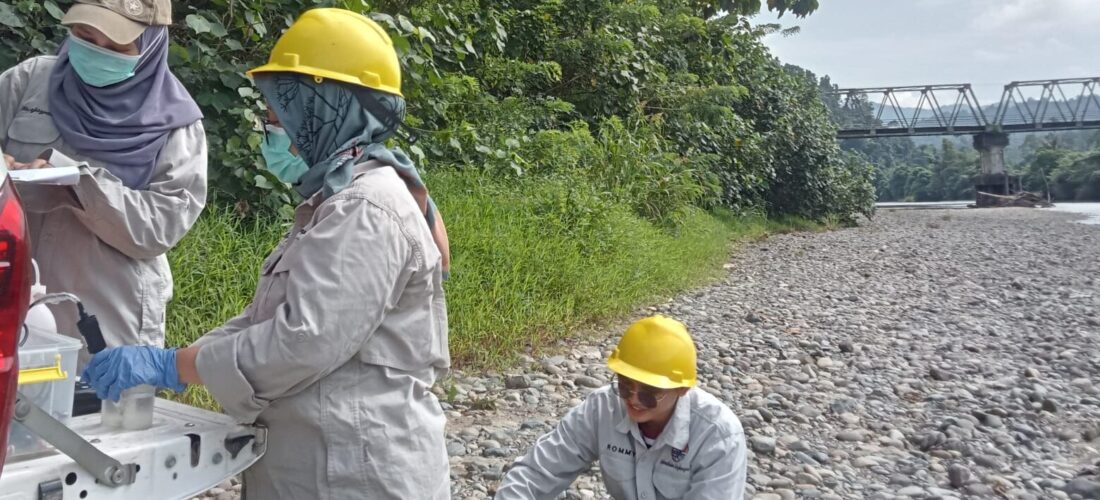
588	155
1064	164
665	108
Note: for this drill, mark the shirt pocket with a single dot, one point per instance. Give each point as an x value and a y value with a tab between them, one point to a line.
671	484
616	468
33	127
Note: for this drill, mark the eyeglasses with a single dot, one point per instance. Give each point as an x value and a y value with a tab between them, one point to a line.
649	397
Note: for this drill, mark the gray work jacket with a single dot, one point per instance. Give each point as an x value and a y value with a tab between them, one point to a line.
101	240
339	349
700	455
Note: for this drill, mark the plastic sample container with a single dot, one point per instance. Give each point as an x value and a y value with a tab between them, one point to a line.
133	411
47	376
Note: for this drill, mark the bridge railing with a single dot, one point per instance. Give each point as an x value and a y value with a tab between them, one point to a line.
954	109
1070	103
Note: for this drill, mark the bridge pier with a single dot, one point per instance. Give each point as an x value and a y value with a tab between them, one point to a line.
994	178
992	147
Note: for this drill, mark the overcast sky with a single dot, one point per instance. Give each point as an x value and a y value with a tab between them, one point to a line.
987	43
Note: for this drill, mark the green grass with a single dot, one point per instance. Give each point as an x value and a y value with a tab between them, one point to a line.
533	261
215	269
522	278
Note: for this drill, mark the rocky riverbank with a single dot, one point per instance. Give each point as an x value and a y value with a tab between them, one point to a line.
928	354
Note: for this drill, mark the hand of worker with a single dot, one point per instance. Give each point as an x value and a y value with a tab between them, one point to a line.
114	370
39	163
14	165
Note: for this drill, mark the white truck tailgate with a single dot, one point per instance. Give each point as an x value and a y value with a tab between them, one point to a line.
186	452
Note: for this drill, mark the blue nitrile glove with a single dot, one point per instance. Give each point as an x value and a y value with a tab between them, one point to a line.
114	370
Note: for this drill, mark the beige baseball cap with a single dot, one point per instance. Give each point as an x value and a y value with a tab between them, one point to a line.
123	21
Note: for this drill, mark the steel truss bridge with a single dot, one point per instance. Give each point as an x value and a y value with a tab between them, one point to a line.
1030	106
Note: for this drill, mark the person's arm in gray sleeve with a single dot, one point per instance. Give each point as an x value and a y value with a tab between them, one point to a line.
145	223
557	458
341	277
234	325
12	84
722	466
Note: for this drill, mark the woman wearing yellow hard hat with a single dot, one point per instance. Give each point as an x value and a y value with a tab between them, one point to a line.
655	436
347	333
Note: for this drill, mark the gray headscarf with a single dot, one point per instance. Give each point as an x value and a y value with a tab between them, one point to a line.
125	125
335	127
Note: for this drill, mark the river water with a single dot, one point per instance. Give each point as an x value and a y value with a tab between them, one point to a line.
1091	210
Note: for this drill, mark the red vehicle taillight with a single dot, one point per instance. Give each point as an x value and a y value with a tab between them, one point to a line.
15	261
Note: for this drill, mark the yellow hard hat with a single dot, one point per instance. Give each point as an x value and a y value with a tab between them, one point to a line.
656	351
340	45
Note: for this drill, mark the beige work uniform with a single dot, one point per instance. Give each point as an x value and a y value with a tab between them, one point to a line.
100	240
339	349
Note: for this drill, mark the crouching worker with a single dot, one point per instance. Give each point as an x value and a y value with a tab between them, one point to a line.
655	436
338	351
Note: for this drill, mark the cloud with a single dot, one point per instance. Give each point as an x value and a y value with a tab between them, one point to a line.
994	55
1023	17
987	43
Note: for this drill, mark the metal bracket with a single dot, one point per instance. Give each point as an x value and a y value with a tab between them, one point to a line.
106	470
234	444
51	490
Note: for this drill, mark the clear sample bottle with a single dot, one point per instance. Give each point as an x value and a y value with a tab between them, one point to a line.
133	411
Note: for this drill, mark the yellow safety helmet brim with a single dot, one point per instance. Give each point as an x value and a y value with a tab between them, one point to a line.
651	379
321	74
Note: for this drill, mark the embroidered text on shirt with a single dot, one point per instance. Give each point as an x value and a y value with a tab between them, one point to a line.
619	450
38	111
679	468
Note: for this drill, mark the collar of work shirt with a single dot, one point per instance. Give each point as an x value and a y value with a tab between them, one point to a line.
675	433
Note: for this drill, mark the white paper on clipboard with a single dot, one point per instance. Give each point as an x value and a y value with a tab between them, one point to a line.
58	176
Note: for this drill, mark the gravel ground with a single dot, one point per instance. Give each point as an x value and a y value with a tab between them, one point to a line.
928	354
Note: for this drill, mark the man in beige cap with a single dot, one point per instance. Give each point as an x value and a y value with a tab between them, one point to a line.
108	103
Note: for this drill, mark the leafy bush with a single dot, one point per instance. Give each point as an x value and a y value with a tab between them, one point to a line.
1077	177
588	154
722	123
